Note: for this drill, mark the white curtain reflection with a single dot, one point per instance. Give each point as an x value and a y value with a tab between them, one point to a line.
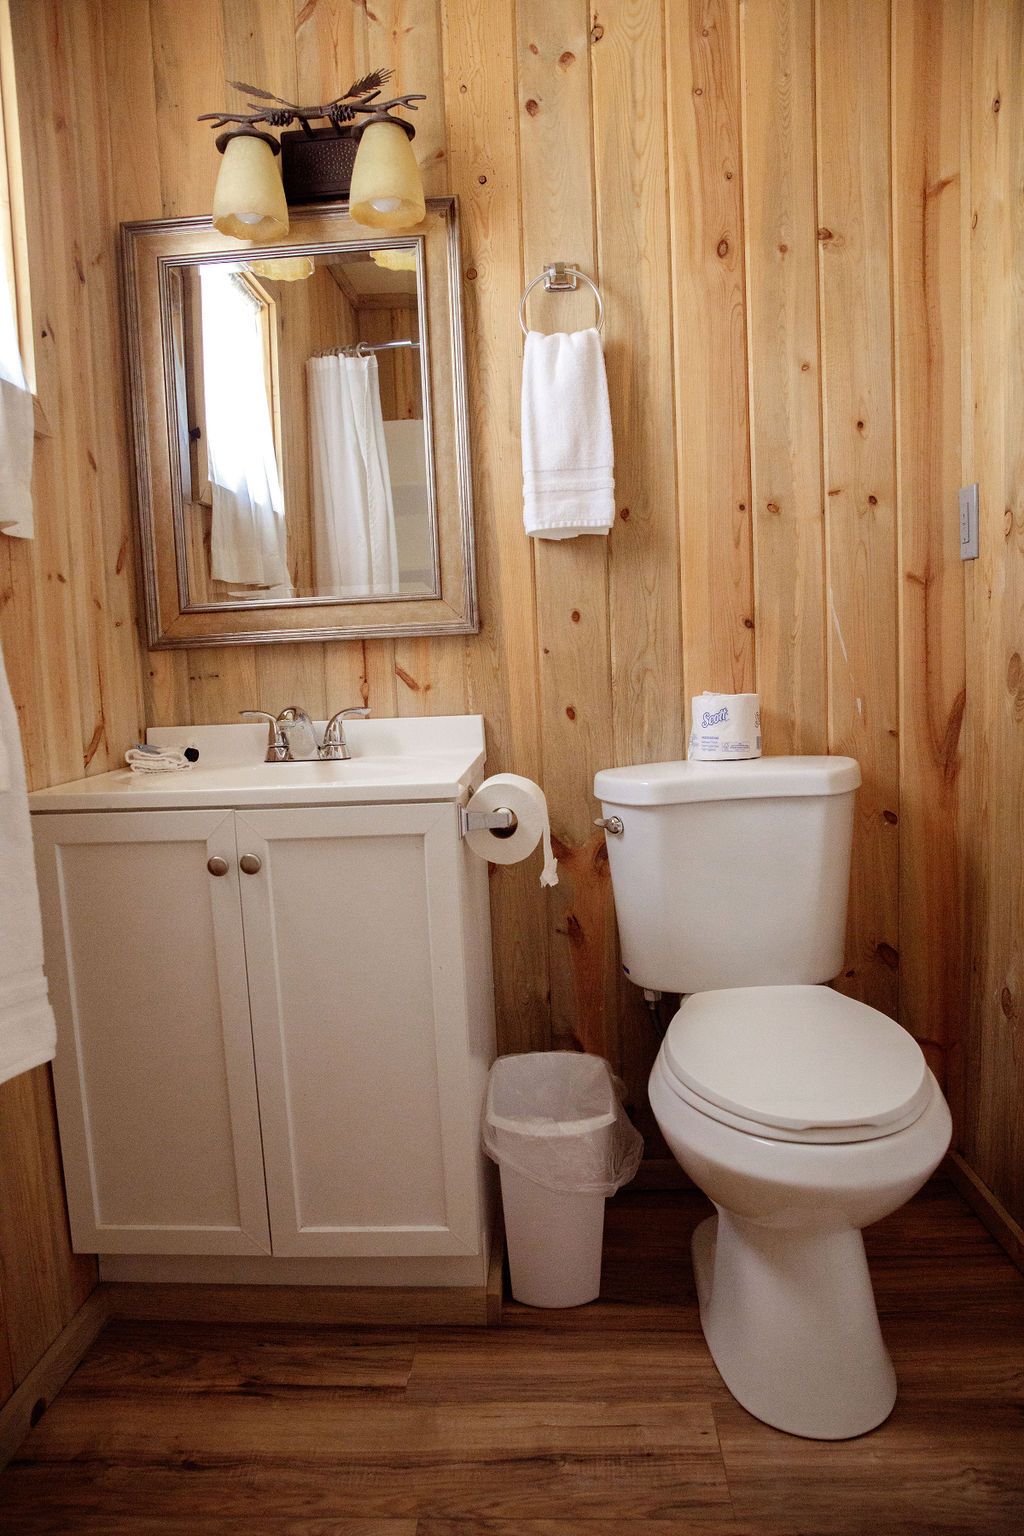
354	543
247	544
17	426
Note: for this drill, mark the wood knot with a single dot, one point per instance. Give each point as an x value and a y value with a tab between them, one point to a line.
872	501
570	712
888	956
482	180
805	367
534	49
471	274
891	817
1007	522
748	623
575	615
825	234
533	107
783	250
996	104
722	247
566	59
860	426
596	32
624	514
1015	684
1007	1003
773	507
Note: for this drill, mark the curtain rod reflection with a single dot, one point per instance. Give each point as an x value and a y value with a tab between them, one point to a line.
364	348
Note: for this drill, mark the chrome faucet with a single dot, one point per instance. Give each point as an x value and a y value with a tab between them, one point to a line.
335	748
277	743
298	732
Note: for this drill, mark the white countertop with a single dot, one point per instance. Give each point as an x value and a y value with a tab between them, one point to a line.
440	758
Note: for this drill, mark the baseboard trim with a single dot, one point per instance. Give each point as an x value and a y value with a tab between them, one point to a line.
307	1305
25	1406
1008	1233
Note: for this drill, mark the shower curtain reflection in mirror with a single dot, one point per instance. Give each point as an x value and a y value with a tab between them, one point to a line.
248	544
355	548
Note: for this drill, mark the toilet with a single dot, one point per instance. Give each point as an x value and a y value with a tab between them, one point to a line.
802	1114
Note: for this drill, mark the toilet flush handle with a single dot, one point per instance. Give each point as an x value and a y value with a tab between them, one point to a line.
611	824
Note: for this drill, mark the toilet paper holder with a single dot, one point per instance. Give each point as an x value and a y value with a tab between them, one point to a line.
501	819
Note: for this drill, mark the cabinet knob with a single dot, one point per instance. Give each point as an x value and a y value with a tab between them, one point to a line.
250	864
217	865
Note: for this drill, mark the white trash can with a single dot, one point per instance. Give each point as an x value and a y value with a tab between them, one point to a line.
555	1125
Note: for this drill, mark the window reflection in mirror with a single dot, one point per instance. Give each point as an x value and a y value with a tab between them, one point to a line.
304	466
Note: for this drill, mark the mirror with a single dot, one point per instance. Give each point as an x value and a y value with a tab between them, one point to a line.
300	430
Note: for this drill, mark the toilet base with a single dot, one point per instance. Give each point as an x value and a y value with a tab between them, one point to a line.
789	1317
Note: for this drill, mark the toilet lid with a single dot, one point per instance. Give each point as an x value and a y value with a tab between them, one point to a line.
797	1058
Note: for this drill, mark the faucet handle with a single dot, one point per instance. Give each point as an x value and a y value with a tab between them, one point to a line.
335	747
277	745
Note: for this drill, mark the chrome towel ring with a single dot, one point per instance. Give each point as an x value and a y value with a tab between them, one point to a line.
560	277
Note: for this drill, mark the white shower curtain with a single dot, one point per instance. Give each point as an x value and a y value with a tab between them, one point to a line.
247	536
355	551
17	422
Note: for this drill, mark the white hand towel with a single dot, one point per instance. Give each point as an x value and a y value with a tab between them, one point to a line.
27	1033
568	485
156	760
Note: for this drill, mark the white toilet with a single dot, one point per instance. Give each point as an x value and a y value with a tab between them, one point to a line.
802	1114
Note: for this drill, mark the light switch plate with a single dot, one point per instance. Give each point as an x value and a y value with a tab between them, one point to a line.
969	522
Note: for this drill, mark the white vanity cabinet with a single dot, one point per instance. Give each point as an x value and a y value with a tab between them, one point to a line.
274	1021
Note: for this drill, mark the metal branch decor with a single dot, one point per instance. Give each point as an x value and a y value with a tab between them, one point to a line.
316	162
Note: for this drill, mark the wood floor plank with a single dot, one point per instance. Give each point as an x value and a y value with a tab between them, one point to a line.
231	1456
143	1359
512	1366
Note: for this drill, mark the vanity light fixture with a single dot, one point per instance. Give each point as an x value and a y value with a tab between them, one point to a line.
248	200
317	163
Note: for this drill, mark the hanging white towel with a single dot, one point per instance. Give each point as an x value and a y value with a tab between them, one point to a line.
355	548
27	1032
568	461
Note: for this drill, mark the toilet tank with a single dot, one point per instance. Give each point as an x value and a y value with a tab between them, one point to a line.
731	874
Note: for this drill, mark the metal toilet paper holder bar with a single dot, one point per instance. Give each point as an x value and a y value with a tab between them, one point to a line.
501	819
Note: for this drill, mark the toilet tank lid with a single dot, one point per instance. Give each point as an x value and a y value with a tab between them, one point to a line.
756	778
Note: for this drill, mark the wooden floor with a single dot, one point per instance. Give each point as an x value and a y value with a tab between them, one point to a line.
606	1420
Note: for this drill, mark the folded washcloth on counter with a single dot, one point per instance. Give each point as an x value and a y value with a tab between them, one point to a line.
156	760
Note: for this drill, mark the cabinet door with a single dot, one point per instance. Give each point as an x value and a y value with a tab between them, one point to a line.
154	1074
356	986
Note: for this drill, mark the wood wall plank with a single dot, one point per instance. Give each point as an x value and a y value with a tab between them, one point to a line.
572	634
858	444
927	214
709	332
990	1130
483	160
777	55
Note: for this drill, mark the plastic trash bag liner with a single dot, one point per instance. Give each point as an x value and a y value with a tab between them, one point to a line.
557	1118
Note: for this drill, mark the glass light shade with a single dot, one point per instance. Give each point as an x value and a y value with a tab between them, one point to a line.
386	190
396	261
282	269
248	200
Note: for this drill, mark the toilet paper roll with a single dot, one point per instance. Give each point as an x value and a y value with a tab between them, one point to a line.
526	800
726	726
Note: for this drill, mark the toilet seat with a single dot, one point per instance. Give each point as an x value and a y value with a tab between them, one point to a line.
796	1063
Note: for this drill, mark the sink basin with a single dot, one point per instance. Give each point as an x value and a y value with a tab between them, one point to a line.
392	760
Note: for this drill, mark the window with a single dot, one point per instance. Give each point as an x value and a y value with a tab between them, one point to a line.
16	360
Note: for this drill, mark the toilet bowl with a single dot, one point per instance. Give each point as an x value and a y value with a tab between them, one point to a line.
803	1116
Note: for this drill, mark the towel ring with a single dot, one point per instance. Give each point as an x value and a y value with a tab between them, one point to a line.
559	277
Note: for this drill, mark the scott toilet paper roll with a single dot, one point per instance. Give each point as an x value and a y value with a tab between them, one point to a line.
526	800
725	726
